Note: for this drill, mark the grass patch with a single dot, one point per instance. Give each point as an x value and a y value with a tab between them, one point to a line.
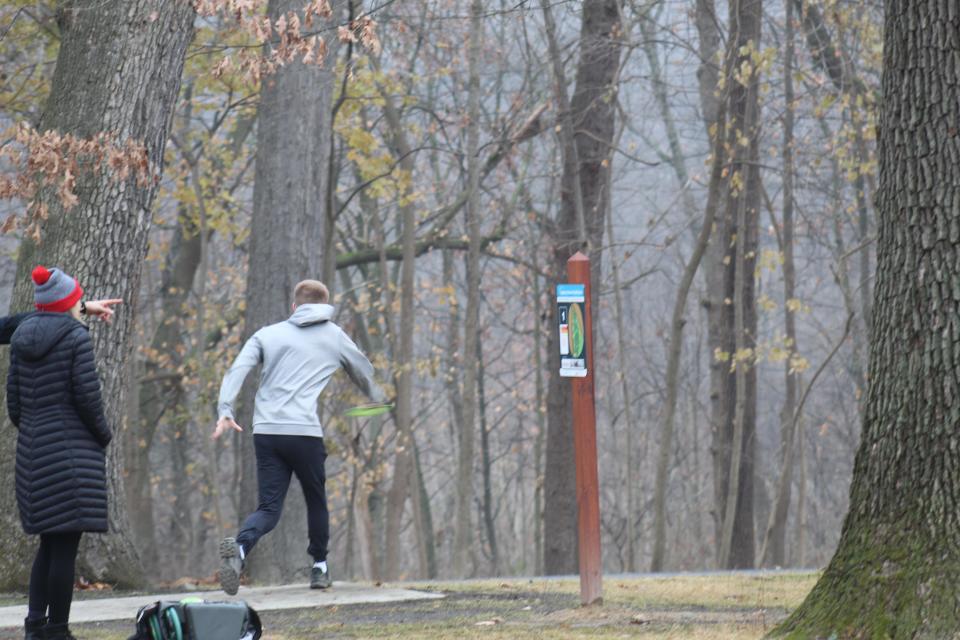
731	606
719	591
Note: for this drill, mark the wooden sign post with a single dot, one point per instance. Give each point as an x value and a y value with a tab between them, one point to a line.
576	327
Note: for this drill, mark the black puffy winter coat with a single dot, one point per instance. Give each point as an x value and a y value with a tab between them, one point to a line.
53	397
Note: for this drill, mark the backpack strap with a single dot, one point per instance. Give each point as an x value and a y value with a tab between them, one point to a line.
253	623
156	629
171	622
148	626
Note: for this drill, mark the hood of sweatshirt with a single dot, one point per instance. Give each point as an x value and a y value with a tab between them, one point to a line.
307	314
39	334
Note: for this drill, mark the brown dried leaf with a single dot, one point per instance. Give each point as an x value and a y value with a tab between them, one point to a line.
9	224
66	193
345	34
222	67
489	623
368	34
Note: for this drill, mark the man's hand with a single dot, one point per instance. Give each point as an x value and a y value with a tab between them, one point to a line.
225	424
101	309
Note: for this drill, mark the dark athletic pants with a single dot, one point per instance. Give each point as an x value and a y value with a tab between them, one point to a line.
277	458
51	580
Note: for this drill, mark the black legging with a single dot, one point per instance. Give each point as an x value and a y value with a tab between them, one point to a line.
51	581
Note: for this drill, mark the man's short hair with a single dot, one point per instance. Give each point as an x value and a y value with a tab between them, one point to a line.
310	292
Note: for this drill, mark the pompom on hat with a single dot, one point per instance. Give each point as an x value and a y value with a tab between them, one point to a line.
54	290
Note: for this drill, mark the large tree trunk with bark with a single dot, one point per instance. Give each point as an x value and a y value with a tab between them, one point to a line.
589	122
294	128
897	566
118	71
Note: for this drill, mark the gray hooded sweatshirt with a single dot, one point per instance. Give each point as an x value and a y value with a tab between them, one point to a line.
298	355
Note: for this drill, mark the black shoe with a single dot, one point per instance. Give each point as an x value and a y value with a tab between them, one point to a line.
34	629
57	632
231	566
319	579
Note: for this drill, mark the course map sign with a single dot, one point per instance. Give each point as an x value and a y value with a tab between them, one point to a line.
571	300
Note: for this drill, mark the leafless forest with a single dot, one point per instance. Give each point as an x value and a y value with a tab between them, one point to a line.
436	162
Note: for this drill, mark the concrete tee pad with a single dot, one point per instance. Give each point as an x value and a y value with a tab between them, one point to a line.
298	596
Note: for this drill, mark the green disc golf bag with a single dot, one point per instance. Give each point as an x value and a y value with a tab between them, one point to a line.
195	619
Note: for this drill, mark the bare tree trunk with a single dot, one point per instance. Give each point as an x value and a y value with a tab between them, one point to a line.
363	527
180	526
471	342
584	197
403	459
452	362
428	548
487	465
538	315
775	538
161	389
733	328
708	73
800	549
627	406
118	71
676	344
733	498
560	506
404	463
713	105
897	566
367	498
290	189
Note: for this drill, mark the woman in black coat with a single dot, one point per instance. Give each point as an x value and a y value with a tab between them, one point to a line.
53	397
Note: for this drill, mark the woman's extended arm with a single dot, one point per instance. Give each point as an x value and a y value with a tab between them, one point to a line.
9	324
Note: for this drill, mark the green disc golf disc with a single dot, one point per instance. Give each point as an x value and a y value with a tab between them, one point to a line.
368	410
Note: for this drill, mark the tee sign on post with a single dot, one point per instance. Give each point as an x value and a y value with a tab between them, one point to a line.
575	328
571	299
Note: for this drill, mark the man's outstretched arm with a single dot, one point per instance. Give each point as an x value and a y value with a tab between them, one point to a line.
250	356
359	369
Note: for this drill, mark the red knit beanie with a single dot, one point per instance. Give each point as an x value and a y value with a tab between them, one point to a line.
54	290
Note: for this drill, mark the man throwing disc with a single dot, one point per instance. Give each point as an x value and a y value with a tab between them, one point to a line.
299	355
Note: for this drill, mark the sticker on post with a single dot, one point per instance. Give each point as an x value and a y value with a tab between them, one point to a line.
571	301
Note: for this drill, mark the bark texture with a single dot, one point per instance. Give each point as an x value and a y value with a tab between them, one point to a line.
584	203
294	129
118	71
897	566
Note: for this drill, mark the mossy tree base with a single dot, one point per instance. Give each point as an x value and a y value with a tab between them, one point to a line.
899	590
